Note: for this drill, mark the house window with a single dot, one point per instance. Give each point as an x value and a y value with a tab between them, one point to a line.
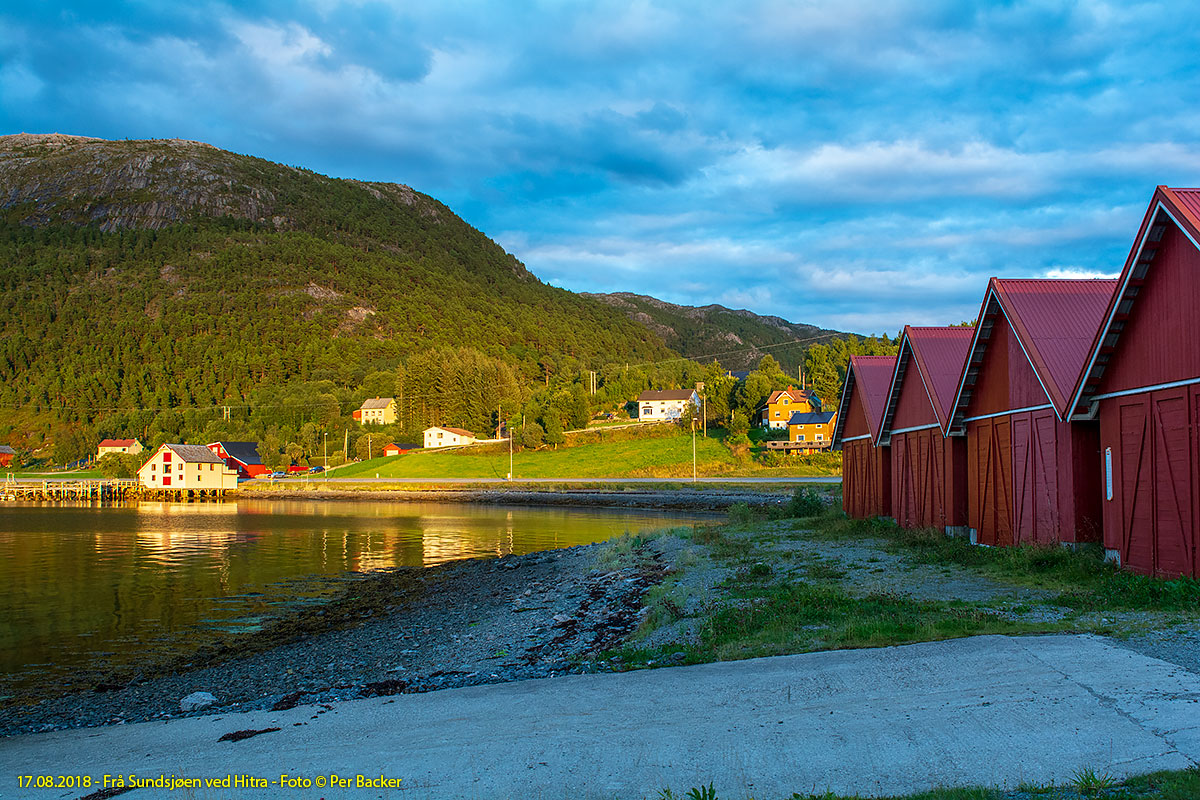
800	438
784	400
166	468
212	467
820	426
820	437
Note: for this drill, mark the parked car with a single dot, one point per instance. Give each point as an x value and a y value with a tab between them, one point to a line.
316	469
278	474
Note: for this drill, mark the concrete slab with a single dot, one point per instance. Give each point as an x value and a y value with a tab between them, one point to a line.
987	710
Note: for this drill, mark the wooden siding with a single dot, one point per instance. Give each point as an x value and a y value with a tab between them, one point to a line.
866	480
1007	380
989	462
856	417
1152	518
929	479
1160	343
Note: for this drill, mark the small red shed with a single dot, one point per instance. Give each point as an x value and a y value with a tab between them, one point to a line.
1142	382
866	465
1031	477
929	469
7	454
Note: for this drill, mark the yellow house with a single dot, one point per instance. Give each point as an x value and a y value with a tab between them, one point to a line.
118	446
811	430
782	404
377	411
187	467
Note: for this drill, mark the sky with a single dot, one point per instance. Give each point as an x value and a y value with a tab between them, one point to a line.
851	164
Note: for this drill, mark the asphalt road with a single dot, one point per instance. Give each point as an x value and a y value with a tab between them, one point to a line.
989	710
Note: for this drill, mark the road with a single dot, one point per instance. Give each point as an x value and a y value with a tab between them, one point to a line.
989	710
317	479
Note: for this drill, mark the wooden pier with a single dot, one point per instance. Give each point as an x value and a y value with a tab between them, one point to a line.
103	490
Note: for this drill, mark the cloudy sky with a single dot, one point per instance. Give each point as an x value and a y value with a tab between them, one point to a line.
854	164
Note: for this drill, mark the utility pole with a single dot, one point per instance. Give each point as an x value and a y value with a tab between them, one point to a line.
326	438
693	450
510	466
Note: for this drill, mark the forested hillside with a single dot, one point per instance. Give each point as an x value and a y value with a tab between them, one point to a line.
145	287
737	339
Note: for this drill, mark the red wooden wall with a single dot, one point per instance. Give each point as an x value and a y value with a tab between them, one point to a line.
866	469
1153	440
929	479
1153	437
866	480
1031	478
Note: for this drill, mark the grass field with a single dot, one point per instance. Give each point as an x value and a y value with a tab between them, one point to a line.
669	457
24	475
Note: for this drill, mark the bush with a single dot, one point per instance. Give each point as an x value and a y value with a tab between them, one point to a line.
119	465
740	514
805	503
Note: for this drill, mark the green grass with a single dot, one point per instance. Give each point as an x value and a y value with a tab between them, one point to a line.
1081	579
669	457
1170	785
25	475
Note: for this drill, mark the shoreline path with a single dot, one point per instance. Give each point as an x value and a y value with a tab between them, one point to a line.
988	710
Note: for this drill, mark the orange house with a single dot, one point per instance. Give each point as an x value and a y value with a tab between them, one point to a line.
780	406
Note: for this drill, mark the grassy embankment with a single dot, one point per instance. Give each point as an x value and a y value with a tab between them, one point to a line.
1086	785
57	474
792	588
618	454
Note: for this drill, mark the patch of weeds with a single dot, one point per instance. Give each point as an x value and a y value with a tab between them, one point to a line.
1090	784
800	618
742	514
1081	577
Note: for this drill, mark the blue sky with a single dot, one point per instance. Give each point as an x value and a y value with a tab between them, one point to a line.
858	165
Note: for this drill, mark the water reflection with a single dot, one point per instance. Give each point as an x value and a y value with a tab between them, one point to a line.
78	580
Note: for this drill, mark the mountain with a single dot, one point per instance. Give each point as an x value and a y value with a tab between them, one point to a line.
737	338
146	286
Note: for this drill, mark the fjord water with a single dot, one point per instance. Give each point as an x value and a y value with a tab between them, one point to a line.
82	584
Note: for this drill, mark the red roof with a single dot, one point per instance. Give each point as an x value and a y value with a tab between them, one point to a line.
1056	321
1183	208
939	353
871	376
117	442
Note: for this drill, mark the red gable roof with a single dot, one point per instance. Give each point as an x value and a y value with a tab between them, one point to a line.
871	376
1178	206
939	353
117	442
1055	322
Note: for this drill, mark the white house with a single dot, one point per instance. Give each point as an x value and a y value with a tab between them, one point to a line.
667	404
448	437
187	466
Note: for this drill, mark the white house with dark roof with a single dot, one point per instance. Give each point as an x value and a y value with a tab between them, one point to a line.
187	467
666	404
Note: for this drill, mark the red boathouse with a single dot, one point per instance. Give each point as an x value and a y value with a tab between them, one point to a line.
929	469
866	465
1143	384
1031	477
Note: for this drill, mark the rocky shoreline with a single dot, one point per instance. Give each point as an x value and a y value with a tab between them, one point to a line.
682	499
404	630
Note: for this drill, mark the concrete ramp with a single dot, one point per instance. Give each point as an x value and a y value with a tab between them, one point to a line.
986	710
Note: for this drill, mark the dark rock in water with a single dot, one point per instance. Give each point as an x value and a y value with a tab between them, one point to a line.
104	794
237	736
287	702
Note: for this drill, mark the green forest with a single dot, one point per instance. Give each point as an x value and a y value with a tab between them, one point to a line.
118	319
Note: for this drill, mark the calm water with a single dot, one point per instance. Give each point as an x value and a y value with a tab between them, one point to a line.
85	583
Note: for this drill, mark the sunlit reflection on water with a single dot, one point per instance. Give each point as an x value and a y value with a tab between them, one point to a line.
80	581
